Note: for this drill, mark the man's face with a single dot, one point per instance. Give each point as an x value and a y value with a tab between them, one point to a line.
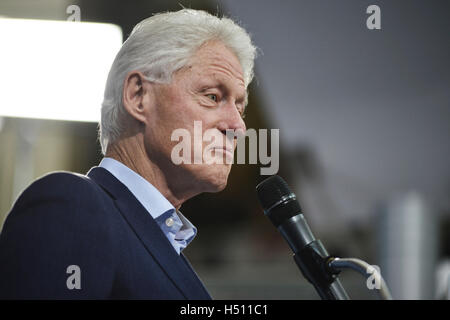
209	89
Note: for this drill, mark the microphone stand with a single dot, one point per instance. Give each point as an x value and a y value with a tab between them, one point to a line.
322	270
362	267
312	261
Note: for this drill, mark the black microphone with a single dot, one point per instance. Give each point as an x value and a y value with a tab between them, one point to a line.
282	208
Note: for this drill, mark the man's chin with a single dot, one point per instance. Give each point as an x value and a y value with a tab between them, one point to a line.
218	187
217	179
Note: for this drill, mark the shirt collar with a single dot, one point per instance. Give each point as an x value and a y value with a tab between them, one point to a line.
180	231
152	200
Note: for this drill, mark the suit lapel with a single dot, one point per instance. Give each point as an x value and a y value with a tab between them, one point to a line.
150	234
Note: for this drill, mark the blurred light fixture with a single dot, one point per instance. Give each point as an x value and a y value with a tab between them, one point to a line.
55	69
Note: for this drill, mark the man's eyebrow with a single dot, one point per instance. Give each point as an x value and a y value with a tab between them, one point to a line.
240	98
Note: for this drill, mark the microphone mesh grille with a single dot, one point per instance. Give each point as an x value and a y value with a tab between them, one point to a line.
271	190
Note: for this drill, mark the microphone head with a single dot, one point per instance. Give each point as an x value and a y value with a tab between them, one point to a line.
277	200
271	190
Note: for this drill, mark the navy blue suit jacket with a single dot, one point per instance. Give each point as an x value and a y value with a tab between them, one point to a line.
93	222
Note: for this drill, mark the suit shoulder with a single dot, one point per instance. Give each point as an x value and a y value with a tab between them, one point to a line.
61	186
62	178
64	200
63	181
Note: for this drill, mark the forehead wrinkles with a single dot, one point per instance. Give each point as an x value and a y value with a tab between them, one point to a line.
218	68
221	63
216	57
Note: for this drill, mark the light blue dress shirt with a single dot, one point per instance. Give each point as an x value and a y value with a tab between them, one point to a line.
178	230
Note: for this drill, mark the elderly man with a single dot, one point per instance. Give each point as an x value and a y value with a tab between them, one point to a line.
117	232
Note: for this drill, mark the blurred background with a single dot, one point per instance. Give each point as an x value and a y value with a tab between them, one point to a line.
364	119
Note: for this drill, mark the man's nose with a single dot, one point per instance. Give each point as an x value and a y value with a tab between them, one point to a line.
231	120
234	119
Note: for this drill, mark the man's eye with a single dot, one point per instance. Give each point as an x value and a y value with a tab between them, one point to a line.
213	97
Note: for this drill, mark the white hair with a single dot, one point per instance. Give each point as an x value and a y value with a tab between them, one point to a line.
160	45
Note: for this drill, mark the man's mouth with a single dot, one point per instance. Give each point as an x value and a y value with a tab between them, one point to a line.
229	152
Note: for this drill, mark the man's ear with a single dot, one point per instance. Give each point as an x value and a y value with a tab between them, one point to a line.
133	96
